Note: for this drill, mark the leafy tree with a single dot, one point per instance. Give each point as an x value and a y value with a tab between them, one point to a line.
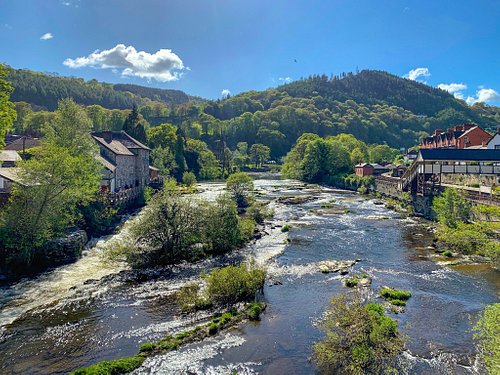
360	339
188	178
488	336
164	160
23	111
62	175
7	111
382	153
241	154
179	152
240	185
134	127
223	229
259	153
451	208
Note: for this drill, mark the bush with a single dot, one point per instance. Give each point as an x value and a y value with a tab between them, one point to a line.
188	178
351	282
451	208
359	339
488	337
254	310
259	212
190	299
232	284
395	294
447	253
247	229
398	302
285	228
240	185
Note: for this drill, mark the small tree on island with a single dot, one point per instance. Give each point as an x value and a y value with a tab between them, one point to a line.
360	339
451	208
240	185
488	336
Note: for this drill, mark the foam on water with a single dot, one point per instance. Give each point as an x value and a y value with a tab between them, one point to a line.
190	359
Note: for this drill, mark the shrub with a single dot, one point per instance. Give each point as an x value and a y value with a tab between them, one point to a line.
190	299
188	178
447	253
254	310
488	337
247	229
259	212
398	302
240	185
212	328
451	208
395	294
232	284
359	339
285	228
351	282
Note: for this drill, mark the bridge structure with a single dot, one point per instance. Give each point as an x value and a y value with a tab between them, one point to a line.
424	178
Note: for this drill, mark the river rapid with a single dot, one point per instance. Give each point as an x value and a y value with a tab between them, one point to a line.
93	310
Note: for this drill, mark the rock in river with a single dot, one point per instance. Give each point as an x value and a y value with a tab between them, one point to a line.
327	266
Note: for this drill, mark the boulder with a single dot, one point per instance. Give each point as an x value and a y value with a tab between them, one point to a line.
66	248
327	266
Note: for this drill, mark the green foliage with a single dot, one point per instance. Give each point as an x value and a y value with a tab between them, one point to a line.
61	176
116	367
351	282
7	111
232	284
285	228
447	253
451	208
247	229
254	310
189	298
188	178
259	212
488	337
395	294
359	339
222	225
259	153
99	215
240	185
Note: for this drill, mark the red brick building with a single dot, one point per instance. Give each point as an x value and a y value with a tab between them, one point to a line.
364	169
460	136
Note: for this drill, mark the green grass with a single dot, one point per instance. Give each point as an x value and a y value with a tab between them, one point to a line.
351	282
448	253
118	366
398	302
254	310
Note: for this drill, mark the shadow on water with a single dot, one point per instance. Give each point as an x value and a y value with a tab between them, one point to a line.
82	322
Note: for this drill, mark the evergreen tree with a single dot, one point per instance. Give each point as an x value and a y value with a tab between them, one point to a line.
180	159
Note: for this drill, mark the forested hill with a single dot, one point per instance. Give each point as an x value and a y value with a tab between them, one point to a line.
378	87
44	91
374	106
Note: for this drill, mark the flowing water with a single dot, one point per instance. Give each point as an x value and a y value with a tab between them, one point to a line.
92	310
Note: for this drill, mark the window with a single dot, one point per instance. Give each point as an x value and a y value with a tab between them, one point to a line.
497	147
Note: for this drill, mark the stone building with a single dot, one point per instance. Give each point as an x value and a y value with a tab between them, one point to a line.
125	161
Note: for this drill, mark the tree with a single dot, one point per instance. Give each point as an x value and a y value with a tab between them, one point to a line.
259	153
223	229
188	178
241	154
360	339
62	175
23	111
488	336
164	160
451	208
240	185
7	111
179	152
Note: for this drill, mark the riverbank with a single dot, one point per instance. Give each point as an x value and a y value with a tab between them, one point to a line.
91	311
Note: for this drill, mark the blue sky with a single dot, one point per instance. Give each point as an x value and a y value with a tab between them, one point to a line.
206	46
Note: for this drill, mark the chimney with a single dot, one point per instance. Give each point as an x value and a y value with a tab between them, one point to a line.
438	131
107	136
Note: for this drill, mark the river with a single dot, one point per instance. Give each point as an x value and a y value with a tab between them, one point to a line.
94	310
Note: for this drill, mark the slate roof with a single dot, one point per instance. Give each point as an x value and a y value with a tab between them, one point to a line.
363	165
9	155
453	154
10	174
17	145
106	163
120	144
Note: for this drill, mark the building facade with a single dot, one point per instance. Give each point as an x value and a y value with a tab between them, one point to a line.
125	161
458	137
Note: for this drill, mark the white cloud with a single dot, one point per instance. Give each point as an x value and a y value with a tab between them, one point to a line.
46	36
163	65
285	79
454	88
484	95
414	74
225	93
